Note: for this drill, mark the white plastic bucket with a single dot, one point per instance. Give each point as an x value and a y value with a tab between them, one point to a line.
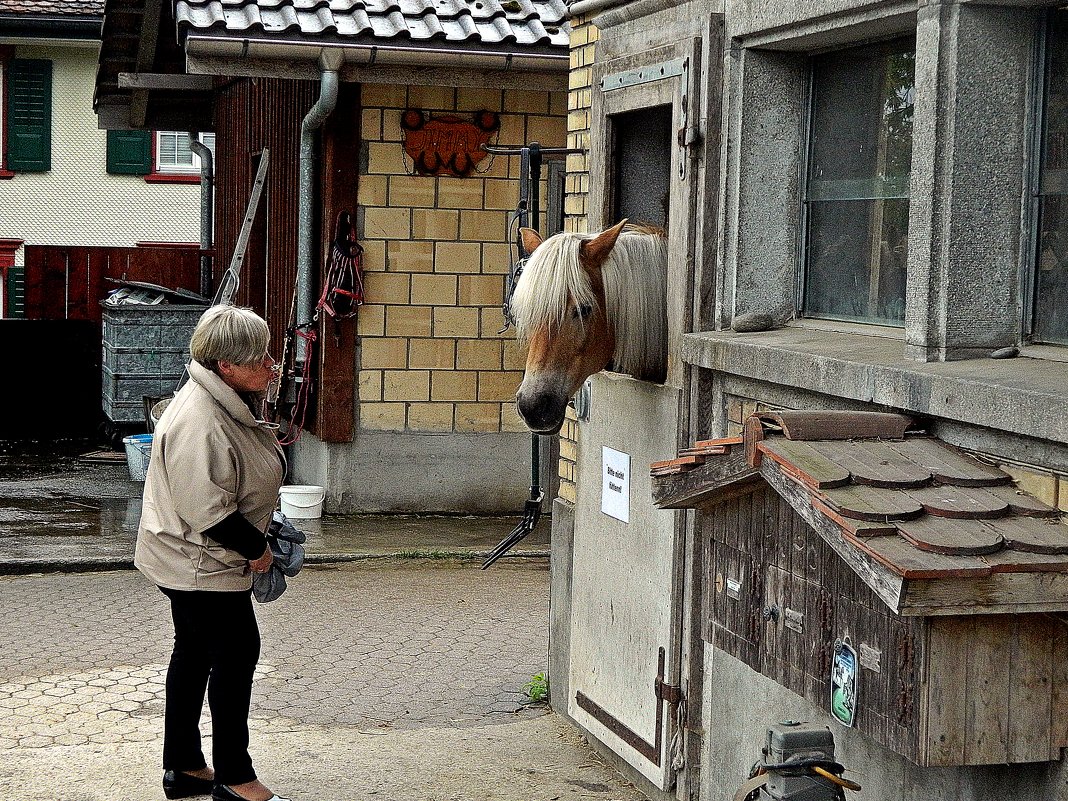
302	501
138	451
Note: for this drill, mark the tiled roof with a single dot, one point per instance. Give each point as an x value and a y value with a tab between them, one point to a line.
915	505
53	8
522	23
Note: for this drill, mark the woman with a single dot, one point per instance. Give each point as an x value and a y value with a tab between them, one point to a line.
211	488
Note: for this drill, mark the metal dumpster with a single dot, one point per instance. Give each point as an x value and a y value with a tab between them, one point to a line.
145	349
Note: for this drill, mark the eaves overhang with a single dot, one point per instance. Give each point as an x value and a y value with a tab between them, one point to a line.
51	26
371	61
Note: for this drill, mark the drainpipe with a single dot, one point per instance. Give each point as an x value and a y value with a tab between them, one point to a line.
207	207
329	63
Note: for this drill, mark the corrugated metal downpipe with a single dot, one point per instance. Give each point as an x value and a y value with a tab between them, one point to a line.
329	63
207	209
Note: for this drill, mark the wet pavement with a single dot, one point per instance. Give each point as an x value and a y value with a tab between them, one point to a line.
58	512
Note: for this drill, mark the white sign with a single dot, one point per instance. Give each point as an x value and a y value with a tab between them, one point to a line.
615	484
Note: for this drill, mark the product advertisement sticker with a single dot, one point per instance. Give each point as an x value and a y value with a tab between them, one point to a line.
615	484
844	669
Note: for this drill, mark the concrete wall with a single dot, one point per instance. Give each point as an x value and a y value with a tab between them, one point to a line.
624	602
77	202
974	122
741	704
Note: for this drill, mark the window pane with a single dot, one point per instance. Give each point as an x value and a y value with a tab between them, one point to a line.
860	155
1051	282
173	153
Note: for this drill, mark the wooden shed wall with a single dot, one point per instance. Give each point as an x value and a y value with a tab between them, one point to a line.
254	114
761	554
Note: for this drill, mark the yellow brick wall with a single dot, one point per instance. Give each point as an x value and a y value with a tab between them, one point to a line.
436	257
576	188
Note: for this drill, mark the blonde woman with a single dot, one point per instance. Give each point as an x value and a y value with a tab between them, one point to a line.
212	485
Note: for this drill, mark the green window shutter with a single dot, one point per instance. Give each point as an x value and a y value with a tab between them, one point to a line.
29	115
15	292
129	152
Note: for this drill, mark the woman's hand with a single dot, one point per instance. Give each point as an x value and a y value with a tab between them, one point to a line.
263	564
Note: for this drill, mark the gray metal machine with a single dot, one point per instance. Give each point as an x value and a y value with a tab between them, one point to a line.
797	764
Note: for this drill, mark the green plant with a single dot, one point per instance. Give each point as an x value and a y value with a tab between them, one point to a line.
537	689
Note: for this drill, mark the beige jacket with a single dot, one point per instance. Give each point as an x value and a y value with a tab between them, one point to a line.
210	457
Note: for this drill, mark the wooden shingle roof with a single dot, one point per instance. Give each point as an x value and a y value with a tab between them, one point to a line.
906	510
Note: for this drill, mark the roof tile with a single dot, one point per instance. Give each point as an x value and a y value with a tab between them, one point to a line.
916	505
54	8
477	22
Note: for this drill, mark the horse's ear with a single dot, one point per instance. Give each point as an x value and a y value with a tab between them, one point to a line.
596	250
531	239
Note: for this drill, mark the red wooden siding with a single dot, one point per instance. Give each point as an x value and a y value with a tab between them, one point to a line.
251	115
68	283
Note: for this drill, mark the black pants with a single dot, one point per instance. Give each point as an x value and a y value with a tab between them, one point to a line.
216	647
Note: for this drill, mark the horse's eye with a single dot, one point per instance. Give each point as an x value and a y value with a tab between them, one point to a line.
583	311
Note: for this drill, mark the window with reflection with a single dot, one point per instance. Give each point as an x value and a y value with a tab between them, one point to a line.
1051	268
857	186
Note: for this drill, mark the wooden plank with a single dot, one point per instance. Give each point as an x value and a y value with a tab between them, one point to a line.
771	647
870	503
952	537
754	434
1012	561
704	483
908	562
670	466
998	593
947	464
988	677
839	425
1030	690
959	502
882	582
1059	689
855	528
813	468
943	704
1034	535
873	463
1021	503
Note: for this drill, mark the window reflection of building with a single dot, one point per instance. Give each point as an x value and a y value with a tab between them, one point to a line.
1051	281
857	191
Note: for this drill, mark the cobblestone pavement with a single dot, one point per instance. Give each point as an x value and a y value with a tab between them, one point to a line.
357	657
394	648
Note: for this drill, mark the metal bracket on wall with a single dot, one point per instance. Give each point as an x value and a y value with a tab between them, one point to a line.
676	68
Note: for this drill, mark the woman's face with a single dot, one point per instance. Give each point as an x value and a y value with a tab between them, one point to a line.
249	377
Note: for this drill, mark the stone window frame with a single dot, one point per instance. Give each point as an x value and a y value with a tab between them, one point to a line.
968	222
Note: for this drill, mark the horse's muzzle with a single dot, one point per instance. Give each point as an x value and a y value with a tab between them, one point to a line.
542	412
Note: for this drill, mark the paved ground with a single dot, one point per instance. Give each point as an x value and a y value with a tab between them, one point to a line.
380	680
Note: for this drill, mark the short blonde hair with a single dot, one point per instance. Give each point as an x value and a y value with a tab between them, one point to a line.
229	334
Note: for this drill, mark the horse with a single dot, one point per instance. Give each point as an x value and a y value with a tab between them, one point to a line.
584	303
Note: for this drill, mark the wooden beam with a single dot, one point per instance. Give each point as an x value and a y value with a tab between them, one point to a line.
146	50
156	80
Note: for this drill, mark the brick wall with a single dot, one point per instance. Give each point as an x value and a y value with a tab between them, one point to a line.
437	254
579	100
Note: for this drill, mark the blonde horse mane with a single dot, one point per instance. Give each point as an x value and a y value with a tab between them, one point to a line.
634	277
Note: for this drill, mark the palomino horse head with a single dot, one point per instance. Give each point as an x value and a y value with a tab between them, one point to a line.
584	303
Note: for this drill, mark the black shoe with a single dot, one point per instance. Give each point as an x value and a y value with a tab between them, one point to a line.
181	785
224	793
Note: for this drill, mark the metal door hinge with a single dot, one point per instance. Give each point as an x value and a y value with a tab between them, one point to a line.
672	693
